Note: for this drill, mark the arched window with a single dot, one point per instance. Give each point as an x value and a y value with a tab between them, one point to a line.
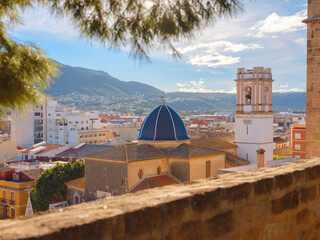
266	95
248	95
140	173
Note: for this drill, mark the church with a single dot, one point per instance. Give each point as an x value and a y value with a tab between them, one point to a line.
163	155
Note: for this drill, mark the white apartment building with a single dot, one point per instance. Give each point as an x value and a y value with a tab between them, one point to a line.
63	126
48	122
29	128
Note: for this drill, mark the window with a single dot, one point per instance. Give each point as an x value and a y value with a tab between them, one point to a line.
248	95
247	130
208	169
12	198
104	134
297	156
76	200
158	170
81	136
4	196
77	122
70	122
90	135
297	135
37	114
95	135
266	95
13	212
100	135
297	147
140	173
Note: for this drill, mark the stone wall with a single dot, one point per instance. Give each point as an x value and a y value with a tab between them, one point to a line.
313	80
281	202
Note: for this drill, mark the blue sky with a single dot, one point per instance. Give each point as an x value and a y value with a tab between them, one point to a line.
266	33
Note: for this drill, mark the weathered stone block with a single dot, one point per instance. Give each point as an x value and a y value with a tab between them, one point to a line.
283	181
303	216
308	194
288	201
263	186
220	225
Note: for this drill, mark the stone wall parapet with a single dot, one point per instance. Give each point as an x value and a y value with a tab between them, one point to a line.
280	202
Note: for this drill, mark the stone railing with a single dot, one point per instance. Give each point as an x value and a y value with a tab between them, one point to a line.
280	202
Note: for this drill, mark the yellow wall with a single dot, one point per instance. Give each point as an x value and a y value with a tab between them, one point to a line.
94	136
149	167
198	166
20	195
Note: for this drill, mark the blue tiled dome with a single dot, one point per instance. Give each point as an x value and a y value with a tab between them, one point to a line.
162	124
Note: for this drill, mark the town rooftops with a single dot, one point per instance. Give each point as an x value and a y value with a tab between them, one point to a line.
5	169
214	143
46	148
83	150
138	152
279	140
154	181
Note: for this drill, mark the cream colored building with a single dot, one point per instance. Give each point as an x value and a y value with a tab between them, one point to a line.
95	136
8	151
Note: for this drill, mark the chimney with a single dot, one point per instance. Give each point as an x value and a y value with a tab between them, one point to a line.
260	157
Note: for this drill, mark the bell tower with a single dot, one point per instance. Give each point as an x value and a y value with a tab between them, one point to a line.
254	114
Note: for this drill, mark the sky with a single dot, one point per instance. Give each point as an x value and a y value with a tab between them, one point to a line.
266	33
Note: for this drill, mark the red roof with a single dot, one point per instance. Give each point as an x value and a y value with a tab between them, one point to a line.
154	181
48	147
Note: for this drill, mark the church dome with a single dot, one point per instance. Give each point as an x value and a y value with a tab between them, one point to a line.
163	124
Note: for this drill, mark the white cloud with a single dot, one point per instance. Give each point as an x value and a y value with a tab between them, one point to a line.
288	90
224	46
284	86
199	87
213	60
279	24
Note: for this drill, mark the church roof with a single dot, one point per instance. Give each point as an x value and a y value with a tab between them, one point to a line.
154	181
163	124
134	152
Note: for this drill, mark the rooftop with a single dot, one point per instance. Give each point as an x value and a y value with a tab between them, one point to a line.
80	152
136	152
48	147
153	182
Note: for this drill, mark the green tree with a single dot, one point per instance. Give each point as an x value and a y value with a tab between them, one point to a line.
51	185
138	24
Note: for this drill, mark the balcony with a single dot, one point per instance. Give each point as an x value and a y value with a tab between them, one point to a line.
3	200
11	202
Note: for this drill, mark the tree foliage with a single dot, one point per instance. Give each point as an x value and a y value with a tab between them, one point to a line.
51	185
139	25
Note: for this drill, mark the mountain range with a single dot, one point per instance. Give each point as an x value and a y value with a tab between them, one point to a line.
89	82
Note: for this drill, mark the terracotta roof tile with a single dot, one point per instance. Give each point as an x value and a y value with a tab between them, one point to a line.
49	147
153	181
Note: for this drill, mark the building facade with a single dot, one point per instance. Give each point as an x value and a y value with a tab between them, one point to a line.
297	139
30	126
254	114
95	136
14	192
